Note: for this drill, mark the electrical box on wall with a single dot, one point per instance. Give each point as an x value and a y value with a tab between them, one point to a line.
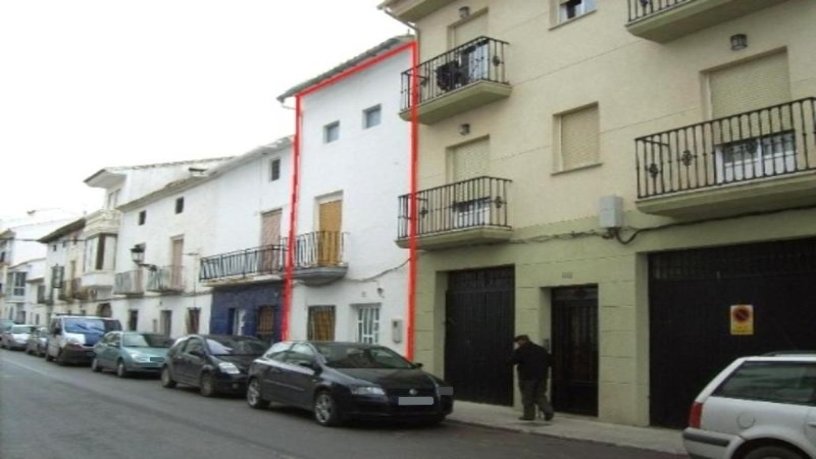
396	330
610	212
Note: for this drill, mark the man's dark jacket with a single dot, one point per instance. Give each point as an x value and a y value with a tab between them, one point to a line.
533	361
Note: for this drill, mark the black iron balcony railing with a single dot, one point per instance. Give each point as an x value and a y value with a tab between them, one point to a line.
318	249
474	203
769	142
481	59
639	9
241	263
166	279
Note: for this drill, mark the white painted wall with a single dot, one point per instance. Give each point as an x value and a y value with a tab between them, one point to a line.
370	168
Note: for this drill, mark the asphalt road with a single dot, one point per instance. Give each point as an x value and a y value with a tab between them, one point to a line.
53	412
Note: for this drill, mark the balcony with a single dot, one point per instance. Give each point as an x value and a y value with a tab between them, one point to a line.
78	290
242	265
666	20
318	257
466	77
470	212
754	161
98	279
129	283
166	279
413	10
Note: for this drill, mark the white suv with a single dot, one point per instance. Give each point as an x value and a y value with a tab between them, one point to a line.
757	408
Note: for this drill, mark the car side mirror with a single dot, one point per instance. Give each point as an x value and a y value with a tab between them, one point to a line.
416	365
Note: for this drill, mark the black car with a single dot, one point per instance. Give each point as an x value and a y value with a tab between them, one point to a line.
213	363
341	381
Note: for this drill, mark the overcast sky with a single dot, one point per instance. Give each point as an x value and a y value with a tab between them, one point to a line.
86	84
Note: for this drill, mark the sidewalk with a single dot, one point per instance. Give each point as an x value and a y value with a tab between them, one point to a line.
569	426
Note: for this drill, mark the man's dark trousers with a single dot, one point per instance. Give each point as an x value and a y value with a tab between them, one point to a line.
534	392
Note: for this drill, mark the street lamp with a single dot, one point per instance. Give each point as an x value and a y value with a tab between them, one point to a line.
137	254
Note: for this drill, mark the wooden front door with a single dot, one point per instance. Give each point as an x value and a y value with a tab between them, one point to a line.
328	237
270	259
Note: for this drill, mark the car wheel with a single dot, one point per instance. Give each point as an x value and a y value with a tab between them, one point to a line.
167	379
773	452
253	395
60	358
121	371
326	412
95	366
48	357
207	385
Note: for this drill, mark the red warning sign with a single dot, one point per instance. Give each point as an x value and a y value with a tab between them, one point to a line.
742	319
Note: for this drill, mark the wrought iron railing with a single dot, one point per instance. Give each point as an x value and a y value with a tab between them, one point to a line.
769	142
318	249
639	9
166	279
478	202
481	59
241	263
78	292
129	282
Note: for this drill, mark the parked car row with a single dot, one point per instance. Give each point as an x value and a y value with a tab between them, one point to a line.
336	381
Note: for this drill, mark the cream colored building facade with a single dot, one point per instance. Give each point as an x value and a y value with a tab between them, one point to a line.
566	102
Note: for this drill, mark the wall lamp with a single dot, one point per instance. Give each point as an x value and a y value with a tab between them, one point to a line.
464	12
739	41
464	129
137	254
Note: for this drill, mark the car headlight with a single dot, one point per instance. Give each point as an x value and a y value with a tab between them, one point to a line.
444	390
228	368
367	390
139	358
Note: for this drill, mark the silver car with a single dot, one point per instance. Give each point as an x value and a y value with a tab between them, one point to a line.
16	336
757	408
37	342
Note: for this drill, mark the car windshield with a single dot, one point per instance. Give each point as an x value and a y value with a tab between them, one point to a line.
361	356
17	329
235	345
146	340
87	326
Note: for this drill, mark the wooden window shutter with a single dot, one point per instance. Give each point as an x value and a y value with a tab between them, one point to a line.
751	85
470	160
580	132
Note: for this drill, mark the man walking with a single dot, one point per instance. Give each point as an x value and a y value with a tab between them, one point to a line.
533	363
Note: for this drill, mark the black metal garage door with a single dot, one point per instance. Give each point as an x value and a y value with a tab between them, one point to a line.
479	324
690	296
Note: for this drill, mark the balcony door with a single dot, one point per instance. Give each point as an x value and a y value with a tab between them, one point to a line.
471	203
473	59
270	256
177	254
328	238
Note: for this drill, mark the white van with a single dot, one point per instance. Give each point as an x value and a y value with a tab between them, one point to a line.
71	339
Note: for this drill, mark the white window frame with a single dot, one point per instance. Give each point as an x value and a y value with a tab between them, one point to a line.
367	113
368	323
472	213
331	132
581	8
771	155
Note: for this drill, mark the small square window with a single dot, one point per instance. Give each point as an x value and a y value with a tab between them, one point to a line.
179	205
274	170
372	116
331	132
142	217
569	9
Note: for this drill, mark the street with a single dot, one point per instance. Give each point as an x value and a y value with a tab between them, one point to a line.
48	411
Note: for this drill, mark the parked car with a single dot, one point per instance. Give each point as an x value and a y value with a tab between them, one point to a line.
131	352
213	363
16	336
37	340
339	381
72	338
5	324
757	408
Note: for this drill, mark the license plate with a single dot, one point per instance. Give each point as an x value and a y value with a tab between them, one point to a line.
414	401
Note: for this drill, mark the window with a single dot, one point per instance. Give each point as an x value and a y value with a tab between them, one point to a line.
757	157
194	345
142	217
193	318
469	160
17	282
579	132
179	205
274	170
570	9
133	319
320	326
277	351
750	85
113	199
166	322
331	132
300	354
372	116
781	382
368	324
